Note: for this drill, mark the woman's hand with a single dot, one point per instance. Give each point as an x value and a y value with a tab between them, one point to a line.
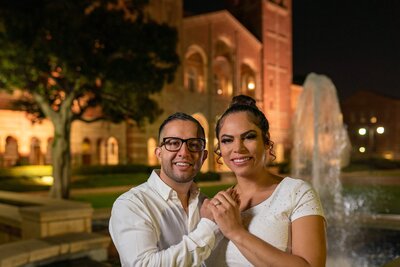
225	209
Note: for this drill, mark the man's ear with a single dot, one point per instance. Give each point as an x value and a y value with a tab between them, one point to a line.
157	152
205	154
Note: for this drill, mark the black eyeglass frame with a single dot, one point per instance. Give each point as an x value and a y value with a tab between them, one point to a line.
163	143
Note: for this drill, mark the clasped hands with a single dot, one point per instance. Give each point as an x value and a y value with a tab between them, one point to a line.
224	210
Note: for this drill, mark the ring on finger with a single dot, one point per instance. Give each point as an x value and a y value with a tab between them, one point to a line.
217	203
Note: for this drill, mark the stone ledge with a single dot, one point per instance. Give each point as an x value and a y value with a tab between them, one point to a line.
381	221
23	216
51	248
10	215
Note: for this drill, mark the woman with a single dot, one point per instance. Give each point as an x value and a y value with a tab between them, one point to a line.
278	221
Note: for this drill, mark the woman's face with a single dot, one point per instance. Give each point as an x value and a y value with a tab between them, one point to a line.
241	144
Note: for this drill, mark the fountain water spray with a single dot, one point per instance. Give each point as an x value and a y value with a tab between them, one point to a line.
321	147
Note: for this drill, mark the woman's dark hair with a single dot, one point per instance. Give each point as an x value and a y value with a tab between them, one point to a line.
243	103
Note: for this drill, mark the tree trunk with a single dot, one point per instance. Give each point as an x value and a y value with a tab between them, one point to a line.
61	148
61	158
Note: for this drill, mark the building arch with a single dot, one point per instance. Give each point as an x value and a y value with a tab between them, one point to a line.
224	49
11	156
203	121
195	65
151	155
112	151
35	154
247	80
223	69
86	150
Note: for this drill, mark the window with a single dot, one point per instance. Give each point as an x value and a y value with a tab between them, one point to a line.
194	73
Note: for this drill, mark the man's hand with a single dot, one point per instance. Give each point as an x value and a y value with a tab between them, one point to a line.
205	211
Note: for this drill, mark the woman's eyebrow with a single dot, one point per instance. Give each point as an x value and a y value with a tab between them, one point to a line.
246	133
241	135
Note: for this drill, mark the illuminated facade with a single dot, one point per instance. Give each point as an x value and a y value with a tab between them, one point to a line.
373	125
246	50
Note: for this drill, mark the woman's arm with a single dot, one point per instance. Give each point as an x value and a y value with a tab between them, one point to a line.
308	237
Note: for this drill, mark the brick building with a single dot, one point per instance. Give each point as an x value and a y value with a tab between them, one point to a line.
246	50
373	125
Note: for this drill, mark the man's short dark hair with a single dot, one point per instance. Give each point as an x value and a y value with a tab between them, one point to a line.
183	117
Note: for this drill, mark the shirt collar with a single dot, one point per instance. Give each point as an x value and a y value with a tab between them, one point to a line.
165	190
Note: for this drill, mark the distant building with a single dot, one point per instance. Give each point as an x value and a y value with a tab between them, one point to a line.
221	57
373	124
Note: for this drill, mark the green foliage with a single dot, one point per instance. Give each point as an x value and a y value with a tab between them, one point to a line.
366	164
207	177
84	60
211	190
113	169
25	178
109	180
99	56
98	200
26	171
106	200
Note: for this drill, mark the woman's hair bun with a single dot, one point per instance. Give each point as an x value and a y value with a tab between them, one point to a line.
243	100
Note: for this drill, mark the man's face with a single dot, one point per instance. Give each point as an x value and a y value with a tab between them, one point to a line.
180	166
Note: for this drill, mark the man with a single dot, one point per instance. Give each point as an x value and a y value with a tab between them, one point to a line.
159	223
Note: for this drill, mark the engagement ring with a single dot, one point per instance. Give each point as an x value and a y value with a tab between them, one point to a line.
217	203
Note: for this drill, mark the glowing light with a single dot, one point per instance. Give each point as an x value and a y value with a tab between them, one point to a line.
373	119
388	155
380	130
251	86
47	180
219	91
362	131
362	149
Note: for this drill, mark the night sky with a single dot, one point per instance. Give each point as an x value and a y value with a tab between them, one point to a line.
355	43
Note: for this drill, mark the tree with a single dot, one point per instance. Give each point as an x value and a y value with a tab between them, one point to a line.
71	56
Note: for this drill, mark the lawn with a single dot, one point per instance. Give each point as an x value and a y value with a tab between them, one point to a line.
105	200
372	198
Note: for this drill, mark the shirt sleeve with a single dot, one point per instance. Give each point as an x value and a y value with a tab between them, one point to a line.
135	238
307	202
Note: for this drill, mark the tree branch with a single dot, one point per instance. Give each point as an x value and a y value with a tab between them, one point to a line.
44	106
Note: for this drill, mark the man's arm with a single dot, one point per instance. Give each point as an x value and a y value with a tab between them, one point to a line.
135	237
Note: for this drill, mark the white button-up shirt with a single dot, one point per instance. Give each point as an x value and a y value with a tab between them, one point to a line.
149	227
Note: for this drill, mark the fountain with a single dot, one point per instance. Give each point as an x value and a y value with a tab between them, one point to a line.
321	147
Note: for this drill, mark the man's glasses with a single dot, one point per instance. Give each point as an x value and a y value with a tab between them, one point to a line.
173	144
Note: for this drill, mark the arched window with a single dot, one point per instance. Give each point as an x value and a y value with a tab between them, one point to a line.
222	69
248	81
194	71
86	152
35	156
11	152
151	155
192	79
112	151
222	76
